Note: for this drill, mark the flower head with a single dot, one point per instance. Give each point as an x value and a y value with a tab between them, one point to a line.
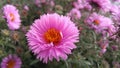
11	61
80	4
74	14
39	2
52	36
26	8
100	23
12	16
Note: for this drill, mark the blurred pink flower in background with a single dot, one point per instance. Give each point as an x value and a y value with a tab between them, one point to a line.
115	13
103	45
102	51
80	4
74	14
100	4
49	2
100	23
11	61
114	47
12	16
26	8
38	2
52	3
52	36
116	0
92	4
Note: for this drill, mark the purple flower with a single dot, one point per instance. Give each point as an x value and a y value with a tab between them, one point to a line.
52	36
12	16
11	61
114	47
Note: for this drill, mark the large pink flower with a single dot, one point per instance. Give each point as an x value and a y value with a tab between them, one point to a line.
52	36
12	16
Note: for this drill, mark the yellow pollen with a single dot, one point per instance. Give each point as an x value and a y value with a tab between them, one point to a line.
12	17
52	36
10	64
96	22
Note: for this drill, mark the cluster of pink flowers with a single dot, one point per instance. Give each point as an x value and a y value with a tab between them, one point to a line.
92	4
96	17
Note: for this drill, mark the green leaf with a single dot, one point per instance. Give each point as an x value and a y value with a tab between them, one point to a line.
34	62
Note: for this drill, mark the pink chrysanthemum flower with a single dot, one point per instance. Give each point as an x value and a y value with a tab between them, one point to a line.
100	4
11	61
74	14
52	36
80	4
12	16
100	23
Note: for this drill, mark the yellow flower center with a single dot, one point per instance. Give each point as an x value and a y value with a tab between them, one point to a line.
96	22
12	17
10	64
52	36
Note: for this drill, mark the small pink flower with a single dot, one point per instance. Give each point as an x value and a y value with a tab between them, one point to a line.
26	8
11	61
103	51
52	37
12	16
38	2
74	14
80	4
52	3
